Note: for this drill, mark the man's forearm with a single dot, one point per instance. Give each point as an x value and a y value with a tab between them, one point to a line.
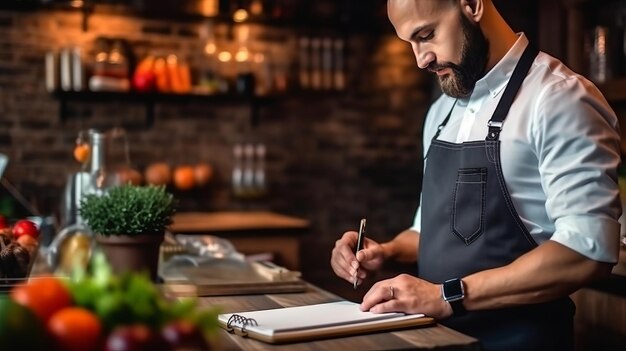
403	248
543	274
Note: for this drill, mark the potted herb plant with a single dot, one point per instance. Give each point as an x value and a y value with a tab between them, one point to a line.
129	223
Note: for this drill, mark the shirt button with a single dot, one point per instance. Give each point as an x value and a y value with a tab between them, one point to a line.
471	110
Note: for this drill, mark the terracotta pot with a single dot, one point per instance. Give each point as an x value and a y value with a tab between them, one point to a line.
137	253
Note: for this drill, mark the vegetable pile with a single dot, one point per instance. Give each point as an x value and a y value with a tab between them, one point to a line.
18	245
97	310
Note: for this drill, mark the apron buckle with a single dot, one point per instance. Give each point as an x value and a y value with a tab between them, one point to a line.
494	130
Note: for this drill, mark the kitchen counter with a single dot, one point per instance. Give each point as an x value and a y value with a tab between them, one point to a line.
436	337
203	222
600	320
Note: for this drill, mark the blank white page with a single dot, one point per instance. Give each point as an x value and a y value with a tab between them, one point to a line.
307	317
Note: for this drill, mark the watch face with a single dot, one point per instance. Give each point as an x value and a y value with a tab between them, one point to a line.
453	289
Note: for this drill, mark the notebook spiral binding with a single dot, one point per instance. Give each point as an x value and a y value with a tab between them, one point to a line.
237	319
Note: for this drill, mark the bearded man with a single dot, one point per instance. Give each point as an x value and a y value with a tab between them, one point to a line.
520	203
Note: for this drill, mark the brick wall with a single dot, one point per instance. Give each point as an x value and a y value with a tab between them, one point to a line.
332	158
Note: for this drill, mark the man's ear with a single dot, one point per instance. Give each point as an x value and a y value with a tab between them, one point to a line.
473	9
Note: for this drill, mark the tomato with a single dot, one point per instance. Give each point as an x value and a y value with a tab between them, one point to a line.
75	329
25	227
144	81
44	296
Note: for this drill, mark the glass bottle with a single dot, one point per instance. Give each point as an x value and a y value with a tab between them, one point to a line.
248	171
316	63
260	181
303	57
101	179
237	175
339	78
327	63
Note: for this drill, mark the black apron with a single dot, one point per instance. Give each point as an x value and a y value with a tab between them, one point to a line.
469	224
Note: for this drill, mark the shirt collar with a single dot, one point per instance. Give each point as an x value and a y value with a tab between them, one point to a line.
496	79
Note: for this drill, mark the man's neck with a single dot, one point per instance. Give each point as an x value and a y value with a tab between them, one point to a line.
499	34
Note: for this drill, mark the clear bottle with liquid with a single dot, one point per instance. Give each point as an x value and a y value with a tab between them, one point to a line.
260	179
248	171
237	174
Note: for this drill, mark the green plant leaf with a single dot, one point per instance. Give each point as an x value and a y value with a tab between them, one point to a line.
129	210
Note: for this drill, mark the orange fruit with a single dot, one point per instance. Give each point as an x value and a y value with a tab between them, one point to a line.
129	175
75	329
43	295
81	152
184	177
29	243
203	173
158	174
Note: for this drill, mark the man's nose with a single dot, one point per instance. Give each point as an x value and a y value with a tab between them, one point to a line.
424	58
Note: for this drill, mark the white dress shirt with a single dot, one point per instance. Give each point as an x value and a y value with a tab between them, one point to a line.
559	150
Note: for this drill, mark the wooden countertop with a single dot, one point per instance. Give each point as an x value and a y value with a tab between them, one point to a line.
207	222
425	338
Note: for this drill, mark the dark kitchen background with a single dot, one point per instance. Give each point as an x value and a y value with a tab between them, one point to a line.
337	100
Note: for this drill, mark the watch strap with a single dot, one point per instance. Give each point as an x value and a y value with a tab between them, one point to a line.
457	307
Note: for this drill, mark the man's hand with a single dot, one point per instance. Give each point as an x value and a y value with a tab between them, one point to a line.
408	294
349	267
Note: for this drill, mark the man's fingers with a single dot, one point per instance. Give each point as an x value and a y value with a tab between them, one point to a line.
341	267
343	260
362	256
377	294
387	306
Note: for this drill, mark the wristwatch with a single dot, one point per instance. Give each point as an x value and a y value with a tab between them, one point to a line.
453	293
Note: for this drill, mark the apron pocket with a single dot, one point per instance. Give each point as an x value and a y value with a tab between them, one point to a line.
468	208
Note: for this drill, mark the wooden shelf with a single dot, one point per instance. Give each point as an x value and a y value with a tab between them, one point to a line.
151	99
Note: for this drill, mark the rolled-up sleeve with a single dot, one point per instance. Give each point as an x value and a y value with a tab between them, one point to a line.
577	141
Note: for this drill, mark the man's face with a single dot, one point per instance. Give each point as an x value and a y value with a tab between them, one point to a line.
444	41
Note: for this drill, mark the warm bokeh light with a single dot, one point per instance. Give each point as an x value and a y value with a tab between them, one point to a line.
243	33
258	57
209	8
210	48
224	56
240	15
242	55
256	7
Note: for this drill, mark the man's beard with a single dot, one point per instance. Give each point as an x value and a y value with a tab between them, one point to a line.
475	54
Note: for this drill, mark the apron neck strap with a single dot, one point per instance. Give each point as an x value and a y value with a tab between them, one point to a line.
510	92
445	121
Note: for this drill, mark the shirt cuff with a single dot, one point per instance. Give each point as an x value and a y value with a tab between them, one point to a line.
593	237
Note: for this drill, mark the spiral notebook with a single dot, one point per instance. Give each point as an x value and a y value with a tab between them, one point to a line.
326	320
